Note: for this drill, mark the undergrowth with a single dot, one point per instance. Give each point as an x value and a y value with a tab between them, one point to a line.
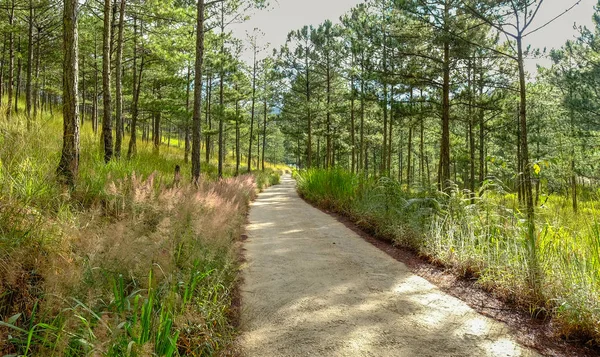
482	237
125	264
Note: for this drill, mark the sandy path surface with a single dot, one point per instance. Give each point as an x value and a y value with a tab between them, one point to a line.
315	288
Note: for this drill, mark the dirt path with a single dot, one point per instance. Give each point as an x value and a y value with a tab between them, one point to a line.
315	288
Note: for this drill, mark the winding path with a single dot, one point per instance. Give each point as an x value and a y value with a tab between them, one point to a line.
313	287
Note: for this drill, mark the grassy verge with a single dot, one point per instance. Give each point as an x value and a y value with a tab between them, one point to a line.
484	238
124	265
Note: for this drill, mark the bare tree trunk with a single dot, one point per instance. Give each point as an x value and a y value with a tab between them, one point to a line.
2	60
252	110
221	150
207	136
36	85
309	116
82	90
528	191
137	88
156	134
264	138
169	135
95	98
196	127
28	86
481	131
421	138
390	147
328	157
362	155
18	79
237	134
186	151
106	96
258	144
383	169
400	158
409	155
573	173
69	162
119	84
352	129
445	145
11	60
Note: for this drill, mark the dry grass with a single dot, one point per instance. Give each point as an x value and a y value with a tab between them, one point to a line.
123	265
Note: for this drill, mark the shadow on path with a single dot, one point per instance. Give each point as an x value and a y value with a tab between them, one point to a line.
313	287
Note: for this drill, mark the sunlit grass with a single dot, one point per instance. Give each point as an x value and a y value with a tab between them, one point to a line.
123	265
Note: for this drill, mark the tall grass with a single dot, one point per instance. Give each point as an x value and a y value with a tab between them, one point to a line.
483	237
125	264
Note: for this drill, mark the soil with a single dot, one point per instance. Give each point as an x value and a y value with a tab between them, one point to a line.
313	287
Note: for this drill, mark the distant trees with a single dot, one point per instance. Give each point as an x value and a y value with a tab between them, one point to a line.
138	64
418	90
405	65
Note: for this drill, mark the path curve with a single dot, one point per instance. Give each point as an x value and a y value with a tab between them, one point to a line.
313	287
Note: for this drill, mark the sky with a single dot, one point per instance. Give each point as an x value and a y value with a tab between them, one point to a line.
287	15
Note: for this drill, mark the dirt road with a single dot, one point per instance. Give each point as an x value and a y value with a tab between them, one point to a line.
314	288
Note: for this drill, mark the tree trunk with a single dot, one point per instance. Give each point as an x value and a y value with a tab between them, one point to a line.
237	134
107	117
352	128
95	98
69	161
18	79
119	83
391	131
221	150
361	154
258	144
36	84
308	111
169	135
409	155
445	145
264	141
28	85
2	60
471	135
383	169
252	110
400	158
573	173
196	121
328	157
137	88
82	90
445	142
156	133
207	136
528	192
186	151
482	158
11	61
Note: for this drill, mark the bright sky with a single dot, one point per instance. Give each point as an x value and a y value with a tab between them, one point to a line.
287	15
